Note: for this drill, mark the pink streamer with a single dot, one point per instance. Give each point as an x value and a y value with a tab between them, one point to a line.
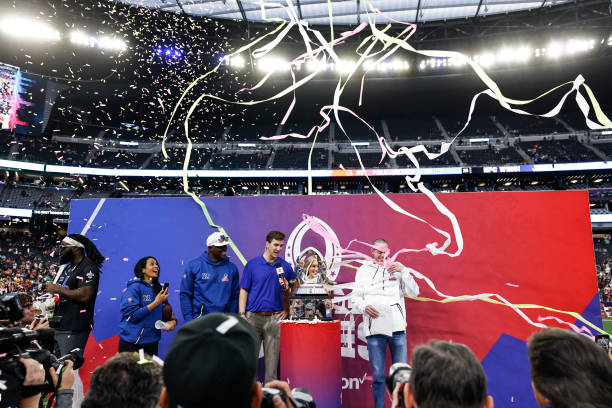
572	326
316	227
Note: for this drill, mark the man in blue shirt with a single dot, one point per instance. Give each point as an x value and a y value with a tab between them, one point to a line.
211	282
265	283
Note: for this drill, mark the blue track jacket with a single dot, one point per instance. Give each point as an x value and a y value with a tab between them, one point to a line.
137	324
209	287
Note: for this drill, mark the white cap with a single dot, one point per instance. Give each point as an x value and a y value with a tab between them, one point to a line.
217	239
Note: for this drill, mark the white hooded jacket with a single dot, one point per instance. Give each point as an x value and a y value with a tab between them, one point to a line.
373	286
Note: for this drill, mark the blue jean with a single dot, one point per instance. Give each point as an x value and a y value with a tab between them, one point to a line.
377	351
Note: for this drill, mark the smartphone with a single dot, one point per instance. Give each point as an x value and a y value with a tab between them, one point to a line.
603	340
165	285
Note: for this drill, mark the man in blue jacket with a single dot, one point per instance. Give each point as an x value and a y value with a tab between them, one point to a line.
211	282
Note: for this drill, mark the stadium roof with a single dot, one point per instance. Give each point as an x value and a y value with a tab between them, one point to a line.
345	12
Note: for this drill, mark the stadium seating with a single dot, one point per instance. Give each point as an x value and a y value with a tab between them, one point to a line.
417	128
297	158
36	198
349	160
119	159
490	156
605	148
558	151
254	161
480	125
522	125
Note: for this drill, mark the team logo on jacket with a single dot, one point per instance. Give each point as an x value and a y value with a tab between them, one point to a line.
225	278
205	275
146	298
89	275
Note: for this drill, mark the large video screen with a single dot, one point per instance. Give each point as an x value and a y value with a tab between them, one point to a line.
22	97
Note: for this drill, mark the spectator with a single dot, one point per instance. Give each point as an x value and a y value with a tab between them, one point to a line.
444	374
125	382
569	370
212	362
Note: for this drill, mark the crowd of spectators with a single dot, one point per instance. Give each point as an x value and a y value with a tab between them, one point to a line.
26	259
603	258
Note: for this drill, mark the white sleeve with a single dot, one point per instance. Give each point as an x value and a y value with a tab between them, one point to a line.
408	284
358	294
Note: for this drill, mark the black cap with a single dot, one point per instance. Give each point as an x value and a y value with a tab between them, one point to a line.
212	362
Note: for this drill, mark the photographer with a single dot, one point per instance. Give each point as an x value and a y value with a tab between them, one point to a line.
77	288
443	374
35	377
29	319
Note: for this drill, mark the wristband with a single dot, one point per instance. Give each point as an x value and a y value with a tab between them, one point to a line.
242	313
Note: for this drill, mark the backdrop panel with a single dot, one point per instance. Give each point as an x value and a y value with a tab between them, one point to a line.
529	247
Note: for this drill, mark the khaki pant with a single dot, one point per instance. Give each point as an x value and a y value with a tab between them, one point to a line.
268	328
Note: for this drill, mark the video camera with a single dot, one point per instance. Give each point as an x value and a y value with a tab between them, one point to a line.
15	344
301	398
11	308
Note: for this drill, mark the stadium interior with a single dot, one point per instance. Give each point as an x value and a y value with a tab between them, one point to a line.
103	79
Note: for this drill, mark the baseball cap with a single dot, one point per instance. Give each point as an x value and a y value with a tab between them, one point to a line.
212	362
217	239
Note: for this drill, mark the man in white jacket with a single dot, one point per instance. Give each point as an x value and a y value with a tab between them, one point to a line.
379	296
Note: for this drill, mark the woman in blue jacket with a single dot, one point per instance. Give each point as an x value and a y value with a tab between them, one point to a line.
142	305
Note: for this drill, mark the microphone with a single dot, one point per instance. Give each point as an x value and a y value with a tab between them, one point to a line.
281	275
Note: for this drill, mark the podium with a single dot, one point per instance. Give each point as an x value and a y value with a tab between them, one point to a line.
310	357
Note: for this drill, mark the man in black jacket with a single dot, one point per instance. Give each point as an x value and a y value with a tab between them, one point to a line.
77	287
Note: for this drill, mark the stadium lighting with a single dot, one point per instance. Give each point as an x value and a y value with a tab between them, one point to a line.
234	62
598	180
508	183
360	143
273	64
29	29
245	187
247	145
554	50
104	42
345	65
266	187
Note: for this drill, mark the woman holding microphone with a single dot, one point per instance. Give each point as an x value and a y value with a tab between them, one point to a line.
145	310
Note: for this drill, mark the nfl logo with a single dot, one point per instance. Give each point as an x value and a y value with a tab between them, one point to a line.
225	278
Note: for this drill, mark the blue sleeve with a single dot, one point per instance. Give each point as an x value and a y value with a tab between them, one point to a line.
247	278
130	306
289	273
233	302
186	294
